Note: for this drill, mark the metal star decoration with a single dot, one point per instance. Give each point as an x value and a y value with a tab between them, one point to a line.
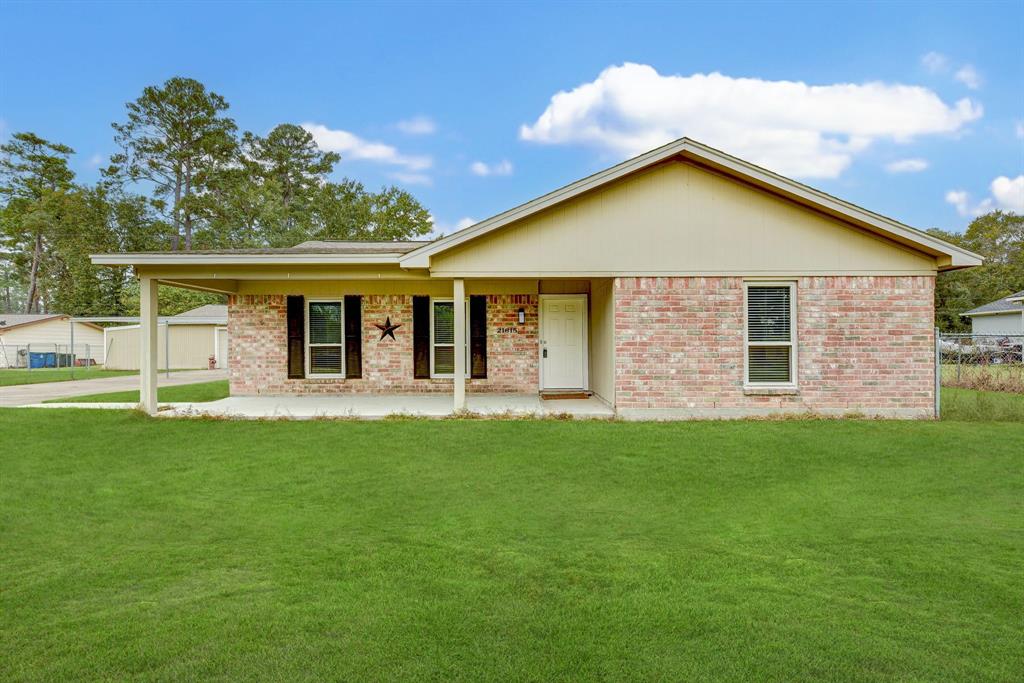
387	329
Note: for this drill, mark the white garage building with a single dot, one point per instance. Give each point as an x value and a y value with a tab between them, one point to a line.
192	337
1002	316
46	338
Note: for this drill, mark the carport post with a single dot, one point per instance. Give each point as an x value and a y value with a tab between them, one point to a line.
938	374
459	295
148	353
71	321
167	348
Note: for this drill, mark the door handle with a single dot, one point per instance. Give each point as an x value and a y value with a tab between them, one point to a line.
544	353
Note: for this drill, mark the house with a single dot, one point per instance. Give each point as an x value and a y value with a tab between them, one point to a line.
45	339
194	336
1002	316
682	283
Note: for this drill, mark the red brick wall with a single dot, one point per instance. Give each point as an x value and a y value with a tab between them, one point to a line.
257	335
865	344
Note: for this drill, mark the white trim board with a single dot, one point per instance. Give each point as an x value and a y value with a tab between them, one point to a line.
717	160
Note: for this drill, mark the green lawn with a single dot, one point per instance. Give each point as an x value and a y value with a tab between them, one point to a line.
158	549
1004	377
10	377
991	406
183	393
957	404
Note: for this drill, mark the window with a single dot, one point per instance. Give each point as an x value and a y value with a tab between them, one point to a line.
325	342
770	342
442	338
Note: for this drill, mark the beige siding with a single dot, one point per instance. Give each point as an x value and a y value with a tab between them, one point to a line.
679	219
191	347
1001	323
602	339
49	332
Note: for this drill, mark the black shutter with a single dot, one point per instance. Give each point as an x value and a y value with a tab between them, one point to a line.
478	336
353	336
421	337
296	337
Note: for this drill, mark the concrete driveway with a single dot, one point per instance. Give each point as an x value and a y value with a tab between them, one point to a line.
27	394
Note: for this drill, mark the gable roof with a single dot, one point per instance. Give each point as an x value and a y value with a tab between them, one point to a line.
1008	304
206	311
9	321
318	252
950	256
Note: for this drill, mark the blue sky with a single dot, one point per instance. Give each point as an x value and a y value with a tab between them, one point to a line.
912	110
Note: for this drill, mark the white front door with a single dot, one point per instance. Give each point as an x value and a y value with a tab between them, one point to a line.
563	342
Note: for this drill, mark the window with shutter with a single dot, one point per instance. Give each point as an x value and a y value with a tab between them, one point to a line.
325	342
770	334
442	338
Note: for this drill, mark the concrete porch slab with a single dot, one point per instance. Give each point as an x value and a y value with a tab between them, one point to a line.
375	406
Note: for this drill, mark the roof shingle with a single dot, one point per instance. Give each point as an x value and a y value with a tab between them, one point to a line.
1000	305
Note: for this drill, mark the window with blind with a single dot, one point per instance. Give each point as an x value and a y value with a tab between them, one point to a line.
442	338
771	335
325	341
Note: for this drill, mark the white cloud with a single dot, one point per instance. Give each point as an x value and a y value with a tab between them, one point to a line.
1007	194
938	63
969	76
354	148
935	62
503	167
906	166
790	127
1019	129
417	125
959	199
411	178
442	228
95	160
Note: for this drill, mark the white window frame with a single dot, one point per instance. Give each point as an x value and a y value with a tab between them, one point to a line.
447	375
792	343
323	375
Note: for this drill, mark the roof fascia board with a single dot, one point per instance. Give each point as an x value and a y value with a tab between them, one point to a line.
1005	311
694	151
171	259
420	258
808	195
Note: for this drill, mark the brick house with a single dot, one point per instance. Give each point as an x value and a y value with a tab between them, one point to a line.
681	283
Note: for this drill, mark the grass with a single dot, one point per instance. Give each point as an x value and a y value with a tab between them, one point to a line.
157	549
985	377
10	377
990	406
957	404
200	392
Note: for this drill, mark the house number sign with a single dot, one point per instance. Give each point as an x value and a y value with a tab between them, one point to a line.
508	330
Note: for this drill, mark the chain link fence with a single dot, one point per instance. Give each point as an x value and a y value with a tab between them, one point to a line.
990	362
44	356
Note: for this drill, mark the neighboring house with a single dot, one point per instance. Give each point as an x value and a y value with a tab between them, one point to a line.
194	336
681	283
1002	316
46	339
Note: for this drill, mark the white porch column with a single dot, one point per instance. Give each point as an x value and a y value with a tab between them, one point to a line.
459	295
148	339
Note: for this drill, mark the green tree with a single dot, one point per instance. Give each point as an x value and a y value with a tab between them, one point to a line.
101	218
346	211
998	236
34	175
175	138
279	195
